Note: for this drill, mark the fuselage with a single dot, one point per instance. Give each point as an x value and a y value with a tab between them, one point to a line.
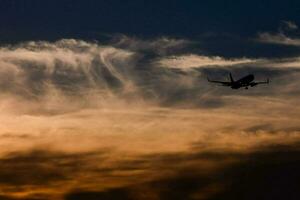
243	82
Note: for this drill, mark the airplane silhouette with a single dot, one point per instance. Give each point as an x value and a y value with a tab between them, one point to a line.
245	82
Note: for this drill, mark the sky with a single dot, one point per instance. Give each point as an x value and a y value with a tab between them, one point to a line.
110	100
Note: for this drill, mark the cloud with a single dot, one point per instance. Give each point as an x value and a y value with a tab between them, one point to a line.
41	172
288	25
160	46
287	63
63	64
278	38
210	168
196	61
137	118
68	68
51	72
214	175
69	74
282	37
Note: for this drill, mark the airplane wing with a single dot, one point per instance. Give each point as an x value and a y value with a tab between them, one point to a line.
224	83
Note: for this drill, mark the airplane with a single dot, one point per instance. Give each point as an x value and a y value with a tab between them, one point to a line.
245	82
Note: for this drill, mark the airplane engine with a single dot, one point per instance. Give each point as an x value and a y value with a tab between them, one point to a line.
253	84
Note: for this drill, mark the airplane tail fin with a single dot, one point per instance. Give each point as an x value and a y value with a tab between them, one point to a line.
231	78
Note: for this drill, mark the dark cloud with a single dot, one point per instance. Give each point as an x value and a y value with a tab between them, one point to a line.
205	171
41	167
114	194
267	172
5	198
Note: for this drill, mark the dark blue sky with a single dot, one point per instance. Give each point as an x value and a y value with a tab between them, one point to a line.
89	19
224	28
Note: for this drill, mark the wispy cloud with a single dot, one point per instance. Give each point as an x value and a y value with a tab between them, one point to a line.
159	46
278	38
288	25
197	61
282	37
